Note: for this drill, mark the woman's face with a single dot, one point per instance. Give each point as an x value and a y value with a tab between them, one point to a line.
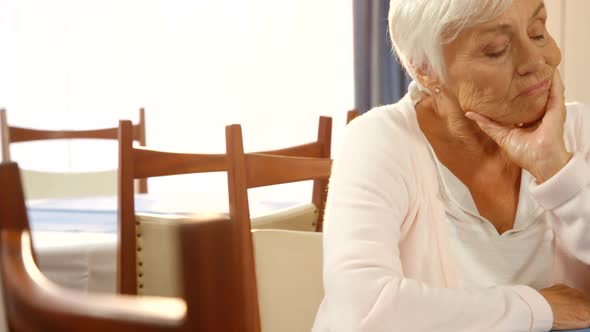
503	68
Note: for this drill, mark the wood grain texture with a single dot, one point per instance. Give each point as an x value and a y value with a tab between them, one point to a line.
314	149
127	244
266	170
19	134
320	185
13	211
239	214
139	131
152	163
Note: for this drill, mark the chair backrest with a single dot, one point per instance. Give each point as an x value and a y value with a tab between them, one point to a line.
213	291
277	167
288	278
38	184
51	185
142	163
351	115
252	170
321	148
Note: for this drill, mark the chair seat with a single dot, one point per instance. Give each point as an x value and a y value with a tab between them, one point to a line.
289	278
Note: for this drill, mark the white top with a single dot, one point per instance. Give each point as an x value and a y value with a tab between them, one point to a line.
484	258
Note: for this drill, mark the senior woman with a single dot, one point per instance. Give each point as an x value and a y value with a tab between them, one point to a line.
466	205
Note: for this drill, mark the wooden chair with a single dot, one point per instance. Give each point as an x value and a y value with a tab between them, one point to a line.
145	242
141	163
320	149
351	115
312	213
213	290
51	185
252	170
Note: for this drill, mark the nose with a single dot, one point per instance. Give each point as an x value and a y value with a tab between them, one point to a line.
532	60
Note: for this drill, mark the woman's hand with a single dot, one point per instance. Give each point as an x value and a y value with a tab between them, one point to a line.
539	149
571	308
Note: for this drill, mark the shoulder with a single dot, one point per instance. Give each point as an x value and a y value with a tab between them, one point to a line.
379	148
385	128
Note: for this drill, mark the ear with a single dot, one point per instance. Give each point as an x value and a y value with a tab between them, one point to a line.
427	78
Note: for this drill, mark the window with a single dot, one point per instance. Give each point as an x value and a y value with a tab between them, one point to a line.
195	65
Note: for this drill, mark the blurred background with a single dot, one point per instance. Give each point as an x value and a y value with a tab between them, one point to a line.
273	66
194	65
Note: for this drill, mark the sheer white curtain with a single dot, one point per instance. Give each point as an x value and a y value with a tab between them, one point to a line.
195	65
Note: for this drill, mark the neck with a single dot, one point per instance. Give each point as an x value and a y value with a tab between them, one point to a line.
447	127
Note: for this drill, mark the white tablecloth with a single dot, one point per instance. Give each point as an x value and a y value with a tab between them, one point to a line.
75	239
82	261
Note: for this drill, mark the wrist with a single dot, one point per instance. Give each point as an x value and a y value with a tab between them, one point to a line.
546	169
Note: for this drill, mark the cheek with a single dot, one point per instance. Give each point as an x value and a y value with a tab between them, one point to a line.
485	92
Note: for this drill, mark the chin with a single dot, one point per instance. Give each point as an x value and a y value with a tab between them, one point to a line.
536	116
532	112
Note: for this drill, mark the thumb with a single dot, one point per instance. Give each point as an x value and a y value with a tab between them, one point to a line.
555	109
556	93
496	131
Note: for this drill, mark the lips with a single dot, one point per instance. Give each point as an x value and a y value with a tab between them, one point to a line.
535	89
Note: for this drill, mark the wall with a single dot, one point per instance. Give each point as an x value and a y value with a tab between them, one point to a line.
570	26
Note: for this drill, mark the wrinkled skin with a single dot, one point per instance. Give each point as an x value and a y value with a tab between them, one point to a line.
501	109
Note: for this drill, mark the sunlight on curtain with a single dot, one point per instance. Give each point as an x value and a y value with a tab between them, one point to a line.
195	65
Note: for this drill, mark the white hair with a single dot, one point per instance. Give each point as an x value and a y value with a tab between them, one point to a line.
420	28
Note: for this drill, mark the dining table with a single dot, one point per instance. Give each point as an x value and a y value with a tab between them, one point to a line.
75	239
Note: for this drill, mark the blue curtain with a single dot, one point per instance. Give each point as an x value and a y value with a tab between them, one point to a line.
379	78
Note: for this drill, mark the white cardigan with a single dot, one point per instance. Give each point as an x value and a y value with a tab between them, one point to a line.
388	263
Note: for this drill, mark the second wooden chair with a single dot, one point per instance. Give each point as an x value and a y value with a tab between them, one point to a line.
145	258
252	170
41	184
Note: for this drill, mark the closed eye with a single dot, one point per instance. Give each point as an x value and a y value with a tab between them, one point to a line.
497	54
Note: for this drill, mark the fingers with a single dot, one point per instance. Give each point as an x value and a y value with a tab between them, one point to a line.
557	88
556	93
496	131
